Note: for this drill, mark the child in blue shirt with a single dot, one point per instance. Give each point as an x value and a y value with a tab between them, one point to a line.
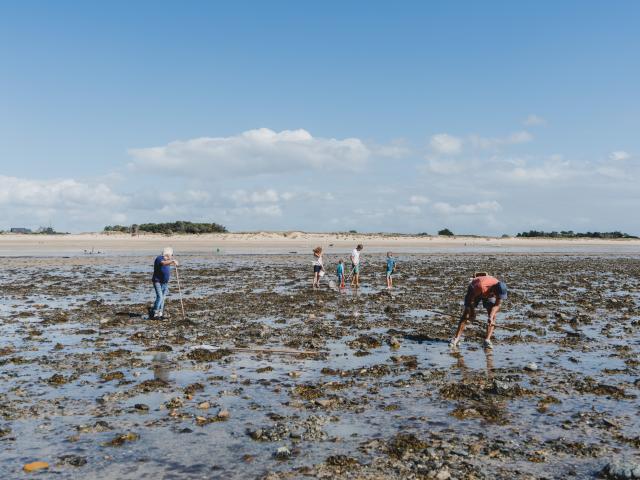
391	267
340	273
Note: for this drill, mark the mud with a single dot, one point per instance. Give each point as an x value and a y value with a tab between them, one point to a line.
95	388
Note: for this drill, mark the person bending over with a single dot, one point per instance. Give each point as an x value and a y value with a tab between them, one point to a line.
491	292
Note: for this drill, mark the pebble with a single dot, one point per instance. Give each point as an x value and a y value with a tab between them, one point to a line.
35	466
531	367
223	414
204	405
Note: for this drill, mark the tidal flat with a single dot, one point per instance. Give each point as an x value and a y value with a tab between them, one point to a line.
93	387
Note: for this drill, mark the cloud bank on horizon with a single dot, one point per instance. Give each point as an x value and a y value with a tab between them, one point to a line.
264	179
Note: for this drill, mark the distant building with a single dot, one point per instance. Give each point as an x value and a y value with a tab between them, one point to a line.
20	230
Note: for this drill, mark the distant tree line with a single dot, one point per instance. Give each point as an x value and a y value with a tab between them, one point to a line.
168	228
572	234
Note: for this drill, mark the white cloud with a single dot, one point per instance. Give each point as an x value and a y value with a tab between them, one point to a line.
418	200
409	209
56	194
444	167
66	203
445	144
254	152
513	139
619	155
446	209
534	120
555	168
243	197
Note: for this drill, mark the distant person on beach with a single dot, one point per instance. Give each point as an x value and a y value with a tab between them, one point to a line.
355	266
318	267
391	267
340	273
491	292
160	279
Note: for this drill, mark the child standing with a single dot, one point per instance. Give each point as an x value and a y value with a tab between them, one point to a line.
355	266
318	267
340	273
391	267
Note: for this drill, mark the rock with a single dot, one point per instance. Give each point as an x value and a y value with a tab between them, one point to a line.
121	439
193	388
324	403
204	405
56	379
206	355
143	407
621	470
73	460
109	376
531	367
35	466
341	461
175	402
443	474
282	453
394	343
294	374
223	414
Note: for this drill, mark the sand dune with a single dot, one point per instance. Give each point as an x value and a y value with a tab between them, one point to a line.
286	242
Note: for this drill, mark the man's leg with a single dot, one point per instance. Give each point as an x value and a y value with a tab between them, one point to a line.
164	289
468	314
157	304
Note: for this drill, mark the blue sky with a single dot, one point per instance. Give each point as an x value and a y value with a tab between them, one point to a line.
486	117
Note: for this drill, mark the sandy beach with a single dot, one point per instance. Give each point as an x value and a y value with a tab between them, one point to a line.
294	242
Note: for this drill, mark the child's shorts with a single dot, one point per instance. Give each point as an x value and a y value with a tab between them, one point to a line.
389	273
317	269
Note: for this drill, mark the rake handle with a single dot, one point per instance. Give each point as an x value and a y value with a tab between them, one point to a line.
180	293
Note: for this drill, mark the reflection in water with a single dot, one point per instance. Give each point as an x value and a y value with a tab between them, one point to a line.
161	367
464	370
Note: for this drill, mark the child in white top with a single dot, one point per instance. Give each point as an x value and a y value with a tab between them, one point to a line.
318	267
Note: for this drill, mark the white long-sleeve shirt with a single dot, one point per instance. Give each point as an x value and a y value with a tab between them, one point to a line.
355	256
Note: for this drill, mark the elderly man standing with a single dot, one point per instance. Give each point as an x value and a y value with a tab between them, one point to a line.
160	279
491	292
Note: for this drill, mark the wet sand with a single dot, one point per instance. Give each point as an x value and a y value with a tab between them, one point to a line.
97	390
